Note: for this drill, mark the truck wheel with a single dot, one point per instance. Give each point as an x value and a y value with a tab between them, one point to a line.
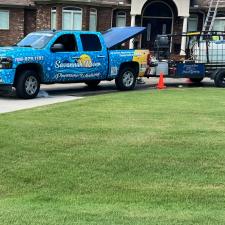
92	83
219	79
126	79
27	85
196	80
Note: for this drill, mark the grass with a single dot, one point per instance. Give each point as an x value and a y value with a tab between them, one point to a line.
140	158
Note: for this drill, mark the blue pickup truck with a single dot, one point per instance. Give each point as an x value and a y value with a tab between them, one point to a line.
48	57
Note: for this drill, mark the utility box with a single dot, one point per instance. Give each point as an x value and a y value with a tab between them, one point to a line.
162	67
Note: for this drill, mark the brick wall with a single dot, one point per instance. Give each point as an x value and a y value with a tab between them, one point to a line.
43	21
29	21
43	18
103	14
16	27
104	19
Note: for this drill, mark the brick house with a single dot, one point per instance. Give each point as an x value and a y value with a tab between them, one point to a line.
86	15
19	17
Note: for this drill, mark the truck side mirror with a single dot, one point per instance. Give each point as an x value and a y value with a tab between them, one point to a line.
57	48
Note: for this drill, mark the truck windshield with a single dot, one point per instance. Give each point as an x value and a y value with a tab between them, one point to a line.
36	40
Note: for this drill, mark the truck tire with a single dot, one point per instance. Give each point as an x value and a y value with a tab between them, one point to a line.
196	80
92	83
219	79
126	79
27	85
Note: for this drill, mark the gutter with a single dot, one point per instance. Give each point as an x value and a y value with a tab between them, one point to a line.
86	2
17	6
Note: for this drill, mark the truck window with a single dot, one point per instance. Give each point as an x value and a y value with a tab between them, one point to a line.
91	42
68	41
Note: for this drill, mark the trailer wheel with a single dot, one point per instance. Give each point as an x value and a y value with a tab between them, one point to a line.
92	83
196	80
27	85
219	79
126	79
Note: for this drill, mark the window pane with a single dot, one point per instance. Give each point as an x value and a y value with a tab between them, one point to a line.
219	25
67	21
121	21
4	20
90	42
68	41
53	20
158	9
93	22
77	21
193	24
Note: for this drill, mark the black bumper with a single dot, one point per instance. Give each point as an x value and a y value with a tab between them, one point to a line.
5	88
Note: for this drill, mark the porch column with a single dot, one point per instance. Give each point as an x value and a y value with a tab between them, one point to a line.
184	38
133	17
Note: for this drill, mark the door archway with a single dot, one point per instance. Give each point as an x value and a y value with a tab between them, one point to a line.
157	17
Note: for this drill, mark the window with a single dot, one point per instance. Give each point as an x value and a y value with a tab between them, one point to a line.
193	23
158	9
219	24
68	41
90	42
121	19
93	20
4	20
72	18
53	18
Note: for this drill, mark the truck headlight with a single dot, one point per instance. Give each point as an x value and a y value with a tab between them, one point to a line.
6	62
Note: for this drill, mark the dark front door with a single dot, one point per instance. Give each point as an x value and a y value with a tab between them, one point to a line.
154	27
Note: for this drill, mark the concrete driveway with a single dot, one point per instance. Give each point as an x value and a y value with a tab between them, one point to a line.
51	94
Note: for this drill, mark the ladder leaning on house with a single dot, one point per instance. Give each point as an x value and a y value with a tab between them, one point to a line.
211	15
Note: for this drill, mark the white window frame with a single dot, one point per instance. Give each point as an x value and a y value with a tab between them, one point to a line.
93	12
73	11
118	16
53	10
7	28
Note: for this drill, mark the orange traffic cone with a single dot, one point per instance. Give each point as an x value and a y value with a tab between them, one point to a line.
161	82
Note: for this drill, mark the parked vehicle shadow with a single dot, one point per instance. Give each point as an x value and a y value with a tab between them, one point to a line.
81	90
109	87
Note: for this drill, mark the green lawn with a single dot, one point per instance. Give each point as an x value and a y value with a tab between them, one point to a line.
140	158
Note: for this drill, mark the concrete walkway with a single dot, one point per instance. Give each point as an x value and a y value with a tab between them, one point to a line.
8	104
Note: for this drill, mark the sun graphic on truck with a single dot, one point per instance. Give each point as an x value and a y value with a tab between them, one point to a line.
85	61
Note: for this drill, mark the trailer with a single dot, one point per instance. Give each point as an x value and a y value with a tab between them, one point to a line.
204	57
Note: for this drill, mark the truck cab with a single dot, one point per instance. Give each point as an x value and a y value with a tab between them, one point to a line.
69	56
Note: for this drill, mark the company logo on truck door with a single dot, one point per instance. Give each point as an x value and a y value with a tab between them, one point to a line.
84	61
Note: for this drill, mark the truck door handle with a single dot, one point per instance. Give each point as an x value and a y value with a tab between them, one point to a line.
101	56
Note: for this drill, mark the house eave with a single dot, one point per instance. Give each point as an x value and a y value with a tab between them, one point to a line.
86	2
17	6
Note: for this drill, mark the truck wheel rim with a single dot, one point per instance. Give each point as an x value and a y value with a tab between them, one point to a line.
31	85
128	78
